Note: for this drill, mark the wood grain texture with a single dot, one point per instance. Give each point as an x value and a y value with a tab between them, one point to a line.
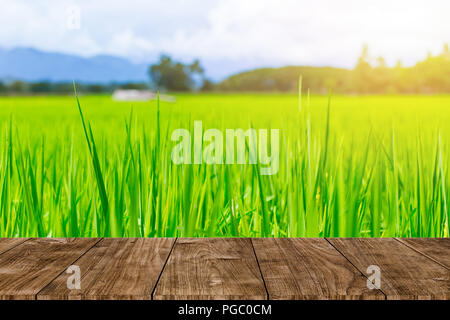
224	269
437	249
9	243
405	273
115	269
29	267
303	269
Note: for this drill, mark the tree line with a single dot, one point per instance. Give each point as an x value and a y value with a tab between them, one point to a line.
370	76
46	87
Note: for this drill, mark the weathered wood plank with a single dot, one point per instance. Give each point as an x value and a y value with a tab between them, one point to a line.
437	249
405	273
115	269
224	269
9	243
29	267
303	269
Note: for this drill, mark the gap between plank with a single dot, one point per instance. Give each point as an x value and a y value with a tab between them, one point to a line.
260	271
19	244
422	253
362	273
162	270
36	295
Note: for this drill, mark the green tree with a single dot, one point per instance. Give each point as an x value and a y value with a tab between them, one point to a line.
208	85
41	87
382	78
446	51
63	87
95	88
363	72
18	87
433	75
135	86
174	76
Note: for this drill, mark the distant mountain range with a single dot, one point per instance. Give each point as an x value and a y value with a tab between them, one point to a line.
33	65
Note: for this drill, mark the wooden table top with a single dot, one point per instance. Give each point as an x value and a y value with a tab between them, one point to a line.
225	268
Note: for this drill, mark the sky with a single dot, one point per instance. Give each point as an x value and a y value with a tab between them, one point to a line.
231	32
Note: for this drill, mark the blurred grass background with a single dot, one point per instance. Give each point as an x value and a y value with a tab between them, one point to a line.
380	169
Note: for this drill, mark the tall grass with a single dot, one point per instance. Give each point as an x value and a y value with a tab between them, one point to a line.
343	172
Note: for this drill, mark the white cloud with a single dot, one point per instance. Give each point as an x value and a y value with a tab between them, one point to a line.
320	32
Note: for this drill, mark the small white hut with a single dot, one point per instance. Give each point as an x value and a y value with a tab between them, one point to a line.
139	95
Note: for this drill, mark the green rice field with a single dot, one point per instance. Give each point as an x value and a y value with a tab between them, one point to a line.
349	166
